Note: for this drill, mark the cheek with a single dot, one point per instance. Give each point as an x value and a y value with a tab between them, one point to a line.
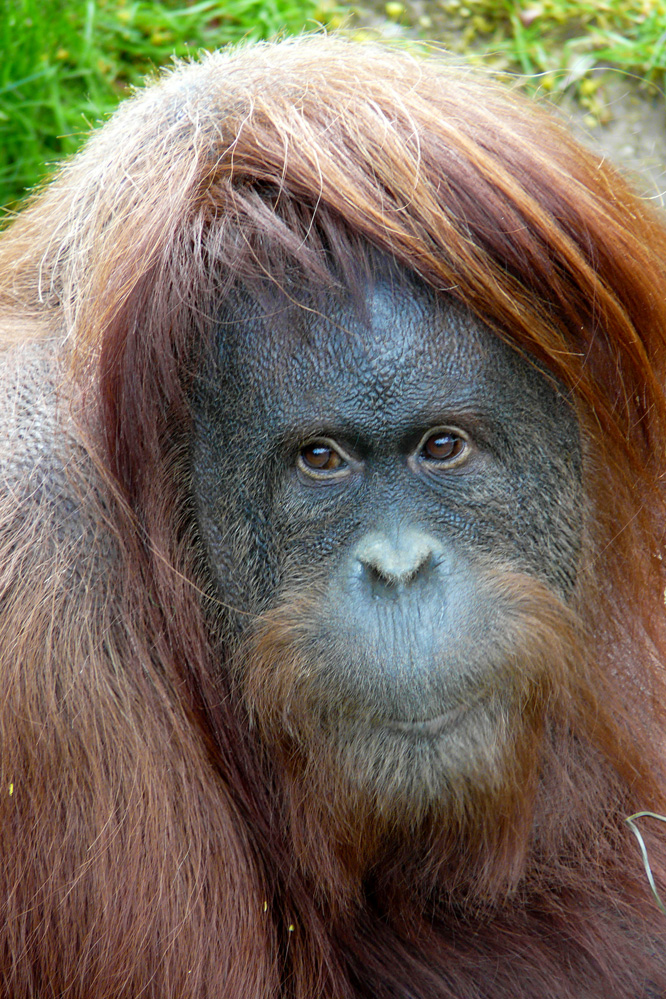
547	505
232	505
527	516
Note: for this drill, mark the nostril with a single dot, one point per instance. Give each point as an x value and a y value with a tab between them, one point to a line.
374	574
379	578
394	575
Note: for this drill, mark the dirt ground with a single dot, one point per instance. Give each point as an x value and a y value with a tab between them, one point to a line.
634	137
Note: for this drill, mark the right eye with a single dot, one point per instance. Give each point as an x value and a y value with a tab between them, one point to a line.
443	446
320	458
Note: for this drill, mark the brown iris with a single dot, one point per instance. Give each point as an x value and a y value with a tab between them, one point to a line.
320	457
442	445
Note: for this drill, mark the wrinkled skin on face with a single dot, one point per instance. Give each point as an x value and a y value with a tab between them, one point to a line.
378	462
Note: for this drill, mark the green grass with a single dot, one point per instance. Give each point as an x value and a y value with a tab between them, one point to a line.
565	44
552	36
66	63
559	44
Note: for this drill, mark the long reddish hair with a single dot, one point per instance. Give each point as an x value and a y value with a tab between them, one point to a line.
185	862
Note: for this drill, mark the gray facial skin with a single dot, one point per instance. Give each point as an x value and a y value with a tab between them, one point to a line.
391	451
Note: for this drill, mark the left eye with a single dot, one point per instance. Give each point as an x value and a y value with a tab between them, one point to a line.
443	447
318	457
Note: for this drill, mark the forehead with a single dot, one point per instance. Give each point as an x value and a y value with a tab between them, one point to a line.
395	340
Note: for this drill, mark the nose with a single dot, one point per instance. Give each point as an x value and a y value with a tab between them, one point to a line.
395	560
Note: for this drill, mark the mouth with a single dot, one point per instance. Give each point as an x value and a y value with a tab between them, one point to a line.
431	726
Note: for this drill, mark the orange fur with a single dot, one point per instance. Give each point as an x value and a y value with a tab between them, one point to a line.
162	833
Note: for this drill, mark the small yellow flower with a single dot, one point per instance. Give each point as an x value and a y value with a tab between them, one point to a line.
394	9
